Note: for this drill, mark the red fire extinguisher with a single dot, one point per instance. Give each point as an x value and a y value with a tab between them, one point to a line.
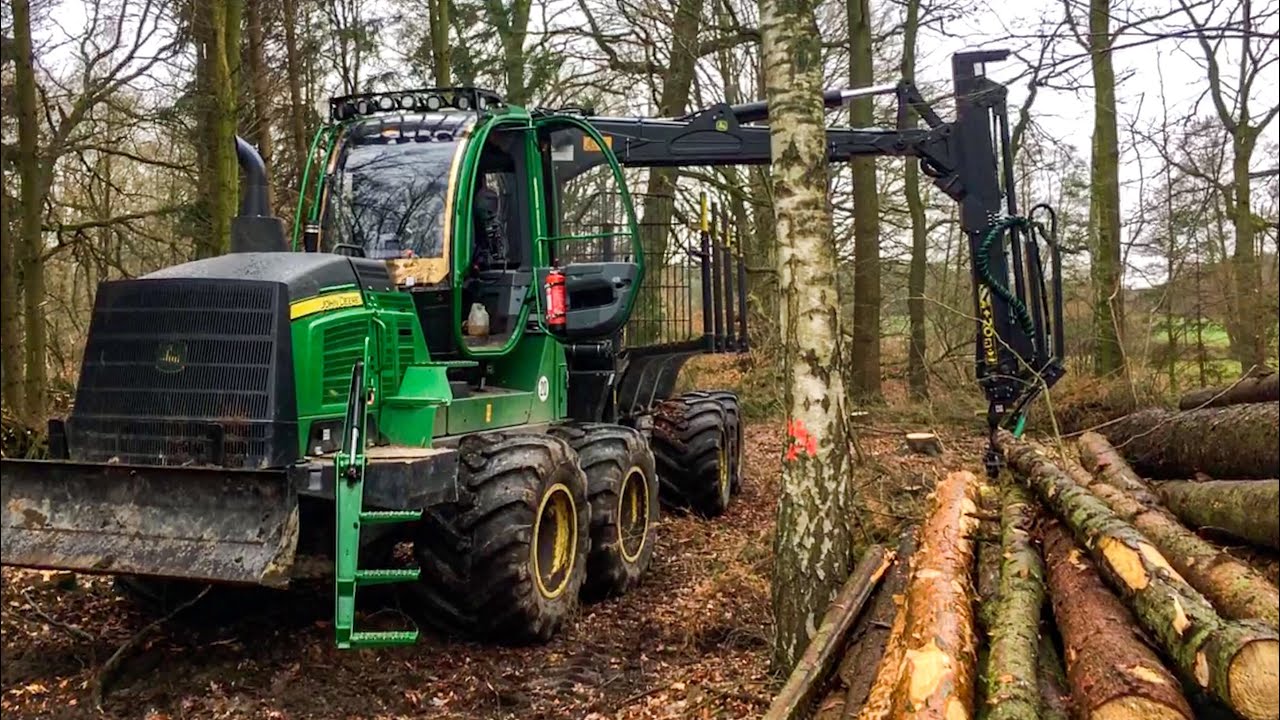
557	300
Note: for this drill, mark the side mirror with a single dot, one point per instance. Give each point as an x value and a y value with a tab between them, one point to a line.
599	298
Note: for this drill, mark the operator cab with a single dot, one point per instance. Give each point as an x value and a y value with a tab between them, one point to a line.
466	208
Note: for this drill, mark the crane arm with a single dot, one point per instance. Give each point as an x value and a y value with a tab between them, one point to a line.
1017	300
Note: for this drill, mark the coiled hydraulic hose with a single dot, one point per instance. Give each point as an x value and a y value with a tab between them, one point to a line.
983	265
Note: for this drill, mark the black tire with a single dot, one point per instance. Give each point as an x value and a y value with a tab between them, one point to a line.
691	444
733	421
622	487
482	558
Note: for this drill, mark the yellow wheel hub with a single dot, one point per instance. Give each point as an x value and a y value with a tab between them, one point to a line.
555	539
633	514
724	467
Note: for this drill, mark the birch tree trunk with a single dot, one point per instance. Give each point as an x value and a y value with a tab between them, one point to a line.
866	215
812	543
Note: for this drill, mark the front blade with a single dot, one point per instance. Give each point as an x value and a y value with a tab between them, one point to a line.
214	524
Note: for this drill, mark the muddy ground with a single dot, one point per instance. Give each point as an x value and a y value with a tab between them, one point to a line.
691	642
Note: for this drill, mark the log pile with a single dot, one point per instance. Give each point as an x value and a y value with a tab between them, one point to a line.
1081	586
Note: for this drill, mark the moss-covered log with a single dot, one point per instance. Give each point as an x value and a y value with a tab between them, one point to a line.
1247	509
1240	441
868	639
1012	692
1111	672
987	549
1255	389
1235	589
937	670
1235	659
1052	679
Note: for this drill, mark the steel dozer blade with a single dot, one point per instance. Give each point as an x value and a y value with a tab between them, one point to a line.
212	524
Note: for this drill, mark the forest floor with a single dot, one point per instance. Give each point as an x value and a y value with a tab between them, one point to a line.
691	642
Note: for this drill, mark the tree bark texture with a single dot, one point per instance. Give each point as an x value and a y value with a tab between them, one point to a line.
1234	659
297	106
262	113
812	545
1235	589
1012	690
1253	389
1055	698
11	358
814	667
1240	441
869	637
31	208
1105	268
1247	509
938	650
988	551
438	18
220	52
917	363
865	377
879	701
1111	671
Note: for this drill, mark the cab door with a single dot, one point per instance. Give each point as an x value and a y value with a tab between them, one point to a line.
587	232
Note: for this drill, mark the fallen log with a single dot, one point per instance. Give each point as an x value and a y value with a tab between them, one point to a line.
1052	679
870	634
880	697
1259	388
1235	589
937	666
1235	659
1012	692
1247	509
927	671
1239	441
1111	672
815	665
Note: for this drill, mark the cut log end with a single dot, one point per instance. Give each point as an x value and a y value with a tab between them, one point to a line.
1135	708
923	443
1253	678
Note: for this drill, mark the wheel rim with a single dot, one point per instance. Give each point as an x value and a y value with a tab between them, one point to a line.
633	514
555	536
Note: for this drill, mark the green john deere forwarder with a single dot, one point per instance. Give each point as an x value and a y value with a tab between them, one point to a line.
464	350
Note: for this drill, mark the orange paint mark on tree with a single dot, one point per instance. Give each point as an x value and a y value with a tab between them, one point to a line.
799	440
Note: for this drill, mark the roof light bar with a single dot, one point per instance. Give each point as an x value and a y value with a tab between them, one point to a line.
463	99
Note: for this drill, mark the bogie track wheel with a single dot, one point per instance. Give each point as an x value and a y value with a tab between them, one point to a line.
733	421
506	562
623	489
691	443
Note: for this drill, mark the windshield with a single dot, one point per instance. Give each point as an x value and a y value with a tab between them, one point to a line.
389	198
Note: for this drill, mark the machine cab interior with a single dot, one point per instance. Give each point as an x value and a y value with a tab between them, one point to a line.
472	212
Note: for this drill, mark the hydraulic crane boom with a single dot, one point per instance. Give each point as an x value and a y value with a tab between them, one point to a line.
1017	305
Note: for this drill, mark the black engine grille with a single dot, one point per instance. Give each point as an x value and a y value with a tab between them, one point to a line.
187	371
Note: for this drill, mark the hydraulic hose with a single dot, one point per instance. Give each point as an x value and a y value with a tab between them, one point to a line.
983	265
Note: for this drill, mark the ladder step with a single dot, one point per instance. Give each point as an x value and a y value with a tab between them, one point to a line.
385	517
386	576
383	638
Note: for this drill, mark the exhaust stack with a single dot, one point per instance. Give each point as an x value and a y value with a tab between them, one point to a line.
255	229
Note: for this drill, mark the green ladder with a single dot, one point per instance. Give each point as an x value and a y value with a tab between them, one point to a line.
349	470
